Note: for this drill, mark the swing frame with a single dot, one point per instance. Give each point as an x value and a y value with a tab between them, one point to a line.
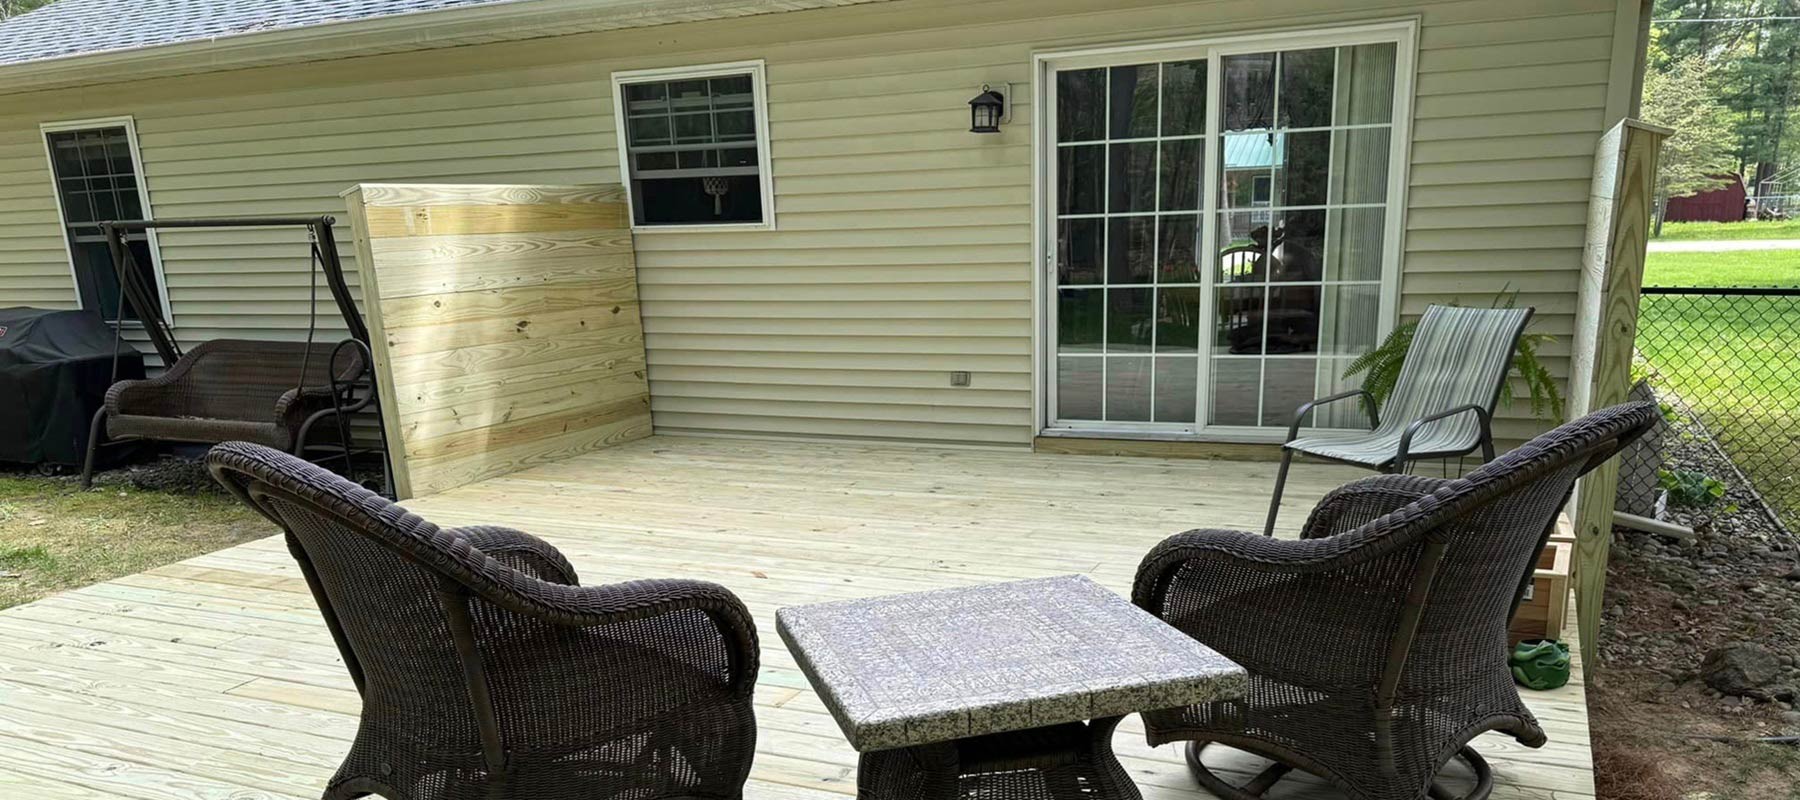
349	394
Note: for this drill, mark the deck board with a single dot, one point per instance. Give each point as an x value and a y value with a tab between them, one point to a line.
213	678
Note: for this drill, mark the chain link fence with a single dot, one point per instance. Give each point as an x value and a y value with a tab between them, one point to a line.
1724	363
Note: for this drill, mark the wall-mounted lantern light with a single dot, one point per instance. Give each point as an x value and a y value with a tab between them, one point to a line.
987	111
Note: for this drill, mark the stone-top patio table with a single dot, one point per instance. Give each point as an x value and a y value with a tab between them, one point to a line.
993	687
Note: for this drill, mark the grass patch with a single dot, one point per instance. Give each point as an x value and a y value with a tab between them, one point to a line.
1733	358
55	537
1700	231
1731	268
1765	770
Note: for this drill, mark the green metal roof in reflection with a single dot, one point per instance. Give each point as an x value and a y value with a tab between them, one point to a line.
1254	150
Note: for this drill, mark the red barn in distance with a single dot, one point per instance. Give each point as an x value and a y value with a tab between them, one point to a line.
1724	204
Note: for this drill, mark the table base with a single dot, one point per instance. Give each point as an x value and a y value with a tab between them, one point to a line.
1073	761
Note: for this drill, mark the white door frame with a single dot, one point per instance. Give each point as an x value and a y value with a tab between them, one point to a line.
1402	32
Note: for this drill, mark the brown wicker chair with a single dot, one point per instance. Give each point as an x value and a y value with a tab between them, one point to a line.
224	390
487	672
1376	643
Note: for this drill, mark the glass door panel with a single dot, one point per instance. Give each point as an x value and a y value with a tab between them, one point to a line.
1129	173
1221	234
1304	172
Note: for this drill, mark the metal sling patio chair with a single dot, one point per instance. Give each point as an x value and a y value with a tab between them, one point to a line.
487	672
1442	404
1376	644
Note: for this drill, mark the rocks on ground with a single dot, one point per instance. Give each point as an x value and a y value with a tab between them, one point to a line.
1741	669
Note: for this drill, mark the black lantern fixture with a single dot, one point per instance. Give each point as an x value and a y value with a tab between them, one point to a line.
986	111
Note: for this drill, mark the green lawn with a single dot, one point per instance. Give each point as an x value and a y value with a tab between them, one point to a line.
1693	231
1735	359
1730	268
54	536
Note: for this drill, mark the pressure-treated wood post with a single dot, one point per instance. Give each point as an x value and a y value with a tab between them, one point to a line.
1606	314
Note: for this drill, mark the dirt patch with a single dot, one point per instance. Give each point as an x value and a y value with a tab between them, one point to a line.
1660	732
54	536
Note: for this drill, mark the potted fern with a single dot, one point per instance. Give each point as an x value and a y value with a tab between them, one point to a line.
1380	367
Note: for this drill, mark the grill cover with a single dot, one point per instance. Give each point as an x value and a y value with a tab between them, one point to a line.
55	367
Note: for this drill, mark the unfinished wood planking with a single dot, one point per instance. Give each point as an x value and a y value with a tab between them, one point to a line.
214	677
1620	203
506	326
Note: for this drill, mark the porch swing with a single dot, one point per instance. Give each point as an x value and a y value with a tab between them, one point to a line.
272	393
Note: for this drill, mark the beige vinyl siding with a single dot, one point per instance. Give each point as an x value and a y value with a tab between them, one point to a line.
904	243
34	264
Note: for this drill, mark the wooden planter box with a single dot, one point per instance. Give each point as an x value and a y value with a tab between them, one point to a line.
1565	530
1546	603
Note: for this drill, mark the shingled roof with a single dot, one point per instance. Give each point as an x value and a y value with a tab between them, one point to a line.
82	27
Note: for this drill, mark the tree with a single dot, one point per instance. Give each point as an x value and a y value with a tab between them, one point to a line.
1754	49
13	8
1699	155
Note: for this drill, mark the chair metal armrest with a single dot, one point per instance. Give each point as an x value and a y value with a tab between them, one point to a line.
521	551
1481	414
302	407
609	604
1311	405
295	405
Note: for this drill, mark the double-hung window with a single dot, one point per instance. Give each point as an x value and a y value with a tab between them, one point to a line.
693	145
98	178
1223	224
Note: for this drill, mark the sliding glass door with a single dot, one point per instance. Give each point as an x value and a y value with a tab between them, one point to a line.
1220	230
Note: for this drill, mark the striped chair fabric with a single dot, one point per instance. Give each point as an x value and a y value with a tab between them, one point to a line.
1459	356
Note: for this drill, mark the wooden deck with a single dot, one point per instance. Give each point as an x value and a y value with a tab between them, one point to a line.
214	678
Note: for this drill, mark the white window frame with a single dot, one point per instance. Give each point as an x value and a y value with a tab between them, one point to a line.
143	191
756	69
1404	33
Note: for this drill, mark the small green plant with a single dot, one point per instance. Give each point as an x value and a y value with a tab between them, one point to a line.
1641	372
1380	367
1668	412
1689	488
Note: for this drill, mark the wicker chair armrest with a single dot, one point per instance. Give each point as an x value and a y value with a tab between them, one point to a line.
1259	553
521	551
135	396
1360	501
149	396
586	606
1249	596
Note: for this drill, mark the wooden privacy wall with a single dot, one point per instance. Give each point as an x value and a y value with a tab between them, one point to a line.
505	325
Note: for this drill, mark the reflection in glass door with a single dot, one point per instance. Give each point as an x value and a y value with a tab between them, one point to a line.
1131	149
1184	307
